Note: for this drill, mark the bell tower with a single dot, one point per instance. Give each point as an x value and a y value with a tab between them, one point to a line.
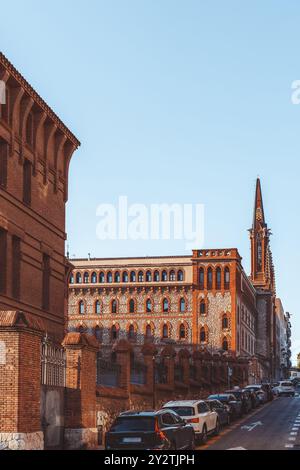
262	270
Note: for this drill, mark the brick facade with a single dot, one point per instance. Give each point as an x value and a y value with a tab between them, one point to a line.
35	153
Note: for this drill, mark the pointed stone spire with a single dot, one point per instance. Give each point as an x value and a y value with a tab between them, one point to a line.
258	215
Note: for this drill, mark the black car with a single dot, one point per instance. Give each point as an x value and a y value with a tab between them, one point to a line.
234	405
244	398
222	409
150	430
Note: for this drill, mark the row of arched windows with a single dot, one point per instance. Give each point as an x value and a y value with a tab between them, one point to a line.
132	306
214	278
125	276
132	332
149	332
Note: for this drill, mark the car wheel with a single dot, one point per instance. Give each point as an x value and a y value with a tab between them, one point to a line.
217	428
173	446
204	435
192	445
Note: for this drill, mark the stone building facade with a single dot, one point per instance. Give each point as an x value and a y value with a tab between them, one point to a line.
203	302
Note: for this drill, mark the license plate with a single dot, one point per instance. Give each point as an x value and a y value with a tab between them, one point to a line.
132	440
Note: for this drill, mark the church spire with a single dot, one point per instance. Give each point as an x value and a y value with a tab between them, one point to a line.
258	215
262	272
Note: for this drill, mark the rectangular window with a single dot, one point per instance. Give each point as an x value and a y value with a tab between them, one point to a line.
3	260
27	174
3	163
46	282
16	266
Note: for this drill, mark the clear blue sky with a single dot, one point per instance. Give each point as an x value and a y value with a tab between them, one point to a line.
173	101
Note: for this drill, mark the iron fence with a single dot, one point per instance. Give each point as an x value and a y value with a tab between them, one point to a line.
53	364
108	373
178	373
161	373
138	373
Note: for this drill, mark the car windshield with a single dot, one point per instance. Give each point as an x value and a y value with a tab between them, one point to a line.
183	410
286	384
222	398
135	423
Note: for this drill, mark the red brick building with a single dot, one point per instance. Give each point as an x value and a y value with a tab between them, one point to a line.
35	153
203	301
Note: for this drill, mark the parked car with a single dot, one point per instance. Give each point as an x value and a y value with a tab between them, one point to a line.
285	388
267	388
222	409
235	406
255	401
150	430
260	392
198	414
244	397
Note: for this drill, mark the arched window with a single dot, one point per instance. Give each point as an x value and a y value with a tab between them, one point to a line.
131	333
224	322
209	278
156	276
131	306
78	278
148	332
109	277
114	333
101	277
98	332
81	307
117	276
125	276
29	129
225	344
180	276
182	305
165	332
72	278
114	306
201	278
148	276
141	276
165	305
226	278
97	307
164	276
203	335
172	276
132	276
202	307
218	278
86	278
94	278
148	306
182	331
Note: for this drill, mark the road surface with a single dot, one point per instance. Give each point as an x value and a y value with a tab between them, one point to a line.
275	426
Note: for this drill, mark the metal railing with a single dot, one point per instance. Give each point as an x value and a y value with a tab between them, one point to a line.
53	364
138	373
108	373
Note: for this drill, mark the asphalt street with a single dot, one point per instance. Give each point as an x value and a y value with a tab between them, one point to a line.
275	426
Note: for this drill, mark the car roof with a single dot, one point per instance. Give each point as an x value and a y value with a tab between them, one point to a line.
182	403
216	396
146	413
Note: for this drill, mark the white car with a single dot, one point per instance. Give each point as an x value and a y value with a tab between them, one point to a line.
198	414
285	388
